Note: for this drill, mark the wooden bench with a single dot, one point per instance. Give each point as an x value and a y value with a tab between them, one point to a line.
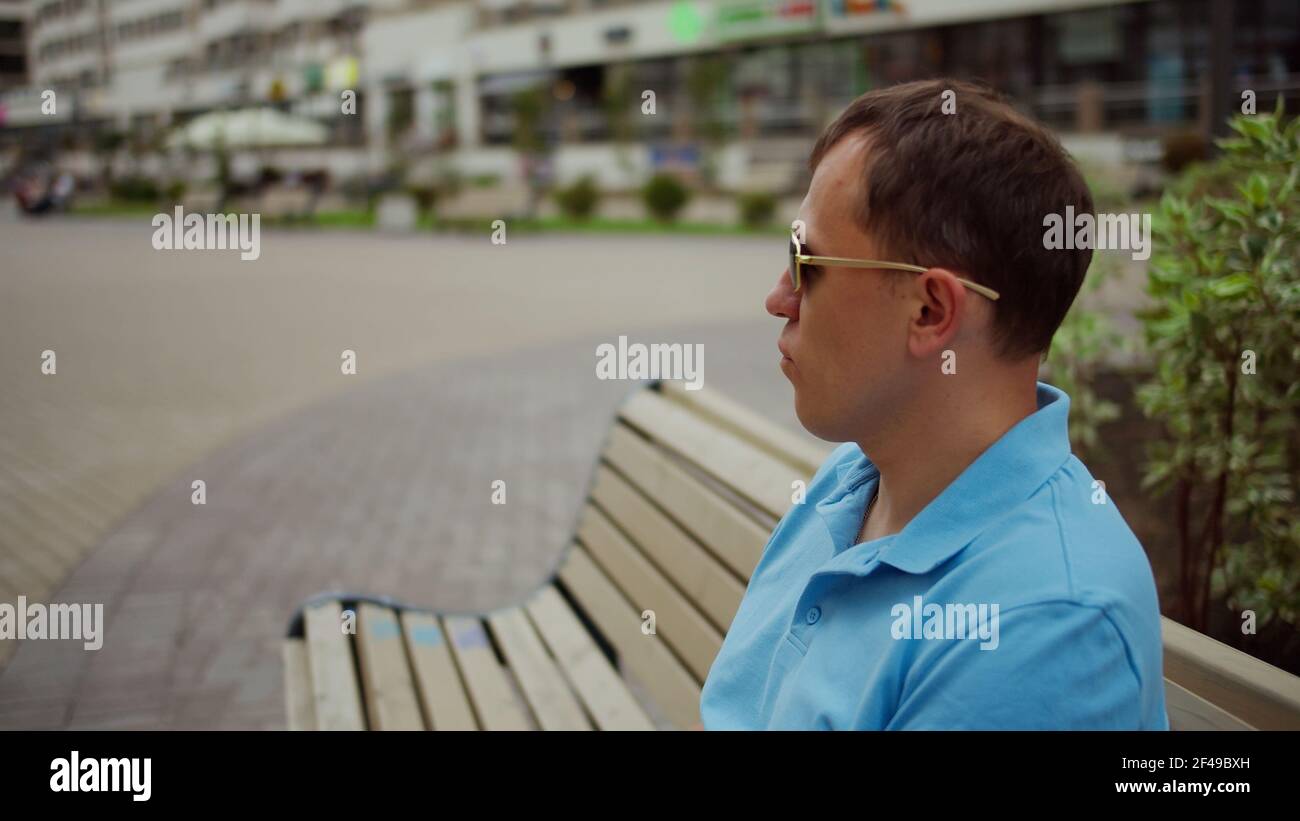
687	489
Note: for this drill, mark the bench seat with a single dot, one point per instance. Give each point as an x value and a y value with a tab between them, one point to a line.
688	487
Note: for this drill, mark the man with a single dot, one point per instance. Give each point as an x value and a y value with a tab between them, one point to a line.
953	565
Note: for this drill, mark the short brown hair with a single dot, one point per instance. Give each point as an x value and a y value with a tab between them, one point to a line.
970	190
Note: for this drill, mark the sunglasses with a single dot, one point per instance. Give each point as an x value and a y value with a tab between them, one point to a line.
798	259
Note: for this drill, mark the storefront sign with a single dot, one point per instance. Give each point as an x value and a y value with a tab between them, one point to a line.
742	19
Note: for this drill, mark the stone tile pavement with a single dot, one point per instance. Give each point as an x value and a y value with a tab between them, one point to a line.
383	490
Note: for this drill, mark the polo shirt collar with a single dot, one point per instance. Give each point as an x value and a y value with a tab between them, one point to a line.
1000	478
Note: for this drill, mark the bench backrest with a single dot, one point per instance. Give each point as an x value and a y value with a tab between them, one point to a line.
687	490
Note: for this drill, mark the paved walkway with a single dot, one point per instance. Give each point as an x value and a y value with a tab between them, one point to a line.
197	373
385	490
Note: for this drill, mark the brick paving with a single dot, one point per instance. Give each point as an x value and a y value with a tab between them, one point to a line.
385	490
384	487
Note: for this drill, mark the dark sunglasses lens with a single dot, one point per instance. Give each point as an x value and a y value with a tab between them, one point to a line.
794	264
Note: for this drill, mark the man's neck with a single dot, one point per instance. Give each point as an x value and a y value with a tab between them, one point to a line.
933	441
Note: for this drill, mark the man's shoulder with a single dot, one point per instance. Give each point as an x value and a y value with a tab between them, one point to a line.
1069	543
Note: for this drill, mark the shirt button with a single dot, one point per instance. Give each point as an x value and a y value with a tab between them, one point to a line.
814	614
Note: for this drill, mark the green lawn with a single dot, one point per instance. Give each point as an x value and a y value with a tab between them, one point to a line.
598	225
362	218
114	208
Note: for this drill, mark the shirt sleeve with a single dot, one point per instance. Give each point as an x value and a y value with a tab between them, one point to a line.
1055	666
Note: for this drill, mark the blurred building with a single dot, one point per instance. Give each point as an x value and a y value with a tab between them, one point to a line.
148	61
748	81
13	44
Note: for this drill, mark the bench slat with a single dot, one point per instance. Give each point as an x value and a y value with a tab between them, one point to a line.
1258	693
441	692
597	683
299	706
723	529
672	687
676	620
1188	711
333	680
705	581
488	683
760	477
802	452
544	686
385	675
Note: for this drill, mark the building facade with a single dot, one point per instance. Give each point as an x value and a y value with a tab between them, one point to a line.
476	79
13	44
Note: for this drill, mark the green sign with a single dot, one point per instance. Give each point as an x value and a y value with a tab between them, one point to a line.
685	22
743	19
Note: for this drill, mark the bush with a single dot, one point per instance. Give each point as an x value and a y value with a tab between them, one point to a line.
579	200
134	189
444	184
665	197
450	182
356	189
176	191
756	208
1077	356
1182	149
1225	277
425	196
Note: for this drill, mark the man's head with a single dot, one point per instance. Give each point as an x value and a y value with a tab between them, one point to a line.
963	194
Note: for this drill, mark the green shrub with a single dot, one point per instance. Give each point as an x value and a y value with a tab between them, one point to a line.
448	181
665	197
1225	335
1078	354
134	188
425	196
1181	149
176	190
756	208
579	200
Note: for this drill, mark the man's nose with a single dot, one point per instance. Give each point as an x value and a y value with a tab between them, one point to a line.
782	300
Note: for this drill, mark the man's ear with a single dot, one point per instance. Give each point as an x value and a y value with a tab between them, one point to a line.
940	303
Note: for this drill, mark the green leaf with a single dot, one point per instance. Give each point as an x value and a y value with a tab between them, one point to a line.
1231	286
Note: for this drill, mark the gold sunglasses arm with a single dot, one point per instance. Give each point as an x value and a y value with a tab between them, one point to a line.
893	266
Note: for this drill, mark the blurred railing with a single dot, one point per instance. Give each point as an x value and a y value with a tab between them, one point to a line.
1091	106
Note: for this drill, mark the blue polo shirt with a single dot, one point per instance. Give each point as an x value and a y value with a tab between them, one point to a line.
1017	599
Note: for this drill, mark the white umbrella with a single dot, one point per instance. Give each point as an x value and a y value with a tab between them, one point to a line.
247	128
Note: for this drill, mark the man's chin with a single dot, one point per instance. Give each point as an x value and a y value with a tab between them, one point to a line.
808	414
817	417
